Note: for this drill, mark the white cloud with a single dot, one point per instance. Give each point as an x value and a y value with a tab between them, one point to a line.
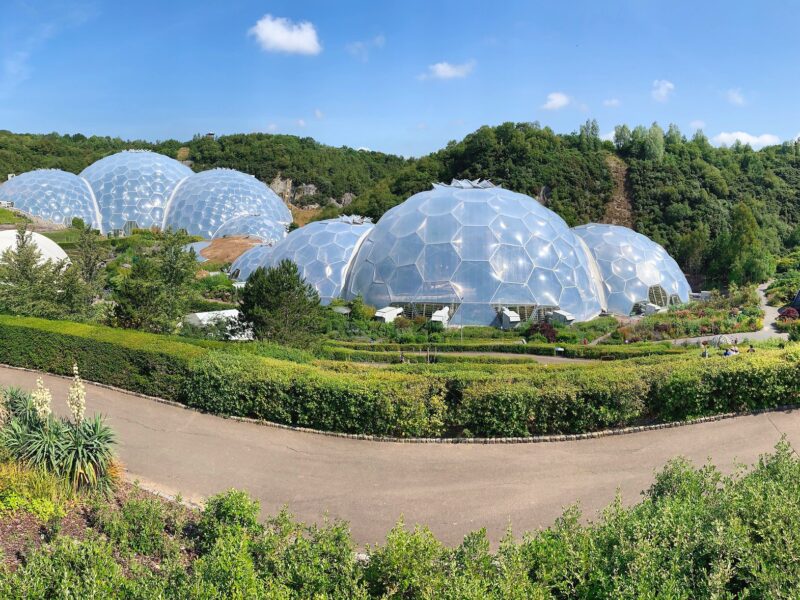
556	100
727	138
735	97
272	127
361	50
301	122
611	102
662	90
319	114
697	124
446	70
608	137
277	34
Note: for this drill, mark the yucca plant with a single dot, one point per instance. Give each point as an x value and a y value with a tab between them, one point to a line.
86	454
19	405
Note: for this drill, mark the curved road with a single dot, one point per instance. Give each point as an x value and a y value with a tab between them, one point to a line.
452	488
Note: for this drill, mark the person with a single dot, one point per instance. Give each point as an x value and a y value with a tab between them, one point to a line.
728	352
705	350
585	342
750	350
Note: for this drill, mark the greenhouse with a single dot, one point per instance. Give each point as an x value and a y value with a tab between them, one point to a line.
52	195
203	202
634	269
255	226
132	187
255	257
48	249
476	248
322	251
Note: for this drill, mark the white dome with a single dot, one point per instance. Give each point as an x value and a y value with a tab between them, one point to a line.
634	268
47	247
478	248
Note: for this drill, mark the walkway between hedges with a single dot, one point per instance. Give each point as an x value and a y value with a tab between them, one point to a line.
453	488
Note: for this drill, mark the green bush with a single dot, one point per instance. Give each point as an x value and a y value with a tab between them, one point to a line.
139	526
415	400
224	511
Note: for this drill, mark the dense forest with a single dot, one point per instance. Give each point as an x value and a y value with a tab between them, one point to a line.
725	213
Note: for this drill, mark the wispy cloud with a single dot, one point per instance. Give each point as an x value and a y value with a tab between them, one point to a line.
727	138
697	124
362	49
735	97
301	122
662	90
556	101
278	34
446	70
272	127
611	102
319	114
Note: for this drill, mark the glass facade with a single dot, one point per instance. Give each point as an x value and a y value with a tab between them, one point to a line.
134	186
53	195
255	257
205	201
322	251
634	268
475	247
257	226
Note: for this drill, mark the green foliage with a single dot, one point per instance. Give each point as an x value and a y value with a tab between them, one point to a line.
279	306
35	491
157	291
9	217
231	509
139	526
695	533
79	452
47	289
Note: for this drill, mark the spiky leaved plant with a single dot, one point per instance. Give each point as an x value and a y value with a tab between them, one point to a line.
76	400
42	400
87	454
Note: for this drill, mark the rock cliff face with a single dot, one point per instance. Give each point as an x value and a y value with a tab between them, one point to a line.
292	193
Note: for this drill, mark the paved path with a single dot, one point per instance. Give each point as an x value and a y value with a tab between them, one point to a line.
453	488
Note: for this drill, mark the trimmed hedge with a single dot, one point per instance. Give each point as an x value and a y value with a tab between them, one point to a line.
409	400
600	351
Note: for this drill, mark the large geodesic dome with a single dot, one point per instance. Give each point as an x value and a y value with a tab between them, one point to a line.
634	268
249	261
257	226
53	195
322	251
134	186
476	248
205	201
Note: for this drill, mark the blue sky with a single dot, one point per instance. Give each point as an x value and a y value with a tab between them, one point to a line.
403	77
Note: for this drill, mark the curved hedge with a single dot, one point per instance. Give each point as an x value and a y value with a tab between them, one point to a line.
408	400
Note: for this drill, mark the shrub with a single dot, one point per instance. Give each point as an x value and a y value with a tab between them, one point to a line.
223	511
138	526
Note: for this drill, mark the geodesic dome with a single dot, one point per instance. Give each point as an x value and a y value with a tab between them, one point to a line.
476	248
53	195
206	200
634	268
134	185
322	251
47	247
249	261
258	226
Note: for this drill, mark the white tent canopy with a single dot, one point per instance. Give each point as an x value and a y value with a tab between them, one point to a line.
47	247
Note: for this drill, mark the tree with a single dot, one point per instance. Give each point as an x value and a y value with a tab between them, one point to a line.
692	248
622	138
90	257
157	291
34	287
279	306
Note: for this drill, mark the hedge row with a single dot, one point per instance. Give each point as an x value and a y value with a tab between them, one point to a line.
600	351
413	356
409	400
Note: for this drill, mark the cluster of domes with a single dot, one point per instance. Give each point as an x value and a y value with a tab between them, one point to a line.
143	189
478	248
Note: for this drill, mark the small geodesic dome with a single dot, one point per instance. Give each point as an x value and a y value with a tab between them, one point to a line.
322	251
48	249
635	269
203	202
256	226
52	195
133	187
476	248
249	261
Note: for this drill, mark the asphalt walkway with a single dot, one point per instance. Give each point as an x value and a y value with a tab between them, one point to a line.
453	488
